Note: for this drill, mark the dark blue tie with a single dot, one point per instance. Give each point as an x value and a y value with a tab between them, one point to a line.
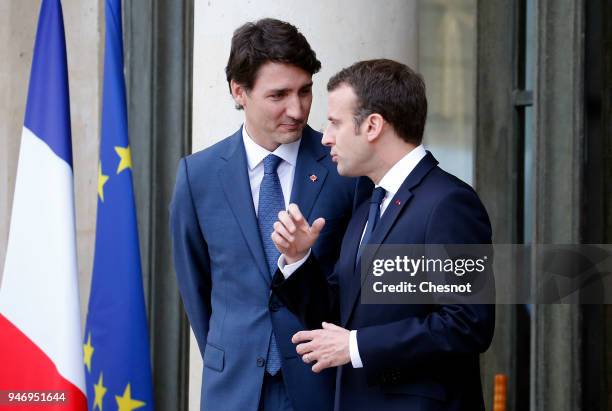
373	216
271	202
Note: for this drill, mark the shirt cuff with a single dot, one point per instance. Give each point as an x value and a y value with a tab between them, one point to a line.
288	269
354	350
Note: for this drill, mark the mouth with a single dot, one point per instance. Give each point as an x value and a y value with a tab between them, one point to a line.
291	126
334	157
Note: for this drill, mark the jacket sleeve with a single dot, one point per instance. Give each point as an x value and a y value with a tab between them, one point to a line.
308	294
191	259
449	329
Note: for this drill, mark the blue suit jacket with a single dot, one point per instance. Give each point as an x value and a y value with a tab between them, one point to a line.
415	357
223	276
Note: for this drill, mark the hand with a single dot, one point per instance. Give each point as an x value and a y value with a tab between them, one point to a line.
329	346
292	235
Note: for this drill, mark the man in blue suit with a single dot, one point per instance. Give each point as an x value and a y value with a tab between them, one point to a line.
389	357
226	200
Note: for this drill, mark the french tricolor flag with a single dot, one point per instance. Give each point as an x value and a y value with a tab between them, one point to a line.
40	325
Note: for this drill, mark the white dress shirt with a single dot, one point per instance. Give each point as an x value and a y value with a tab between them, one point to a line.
391	182
286	169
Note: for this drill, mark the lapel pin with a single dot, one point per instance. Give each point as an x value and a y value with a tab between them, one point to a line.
313	178
398	202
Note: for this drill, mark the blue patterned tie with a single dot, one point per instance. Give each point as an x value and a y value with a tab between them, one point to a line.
373	216
271	202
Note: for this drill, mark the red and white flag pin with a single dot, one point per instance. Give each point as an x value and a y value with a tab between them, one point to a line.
313	178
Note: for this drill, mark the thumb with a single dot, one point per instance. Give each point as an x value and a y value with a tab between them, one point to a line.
317	225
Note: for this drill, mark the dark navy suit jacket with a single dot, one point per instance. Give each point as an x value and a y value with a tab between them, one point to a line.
415	356
223	276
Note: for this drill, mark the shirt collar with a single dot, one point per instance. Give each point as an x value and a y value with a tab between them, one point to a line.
396	175
256	153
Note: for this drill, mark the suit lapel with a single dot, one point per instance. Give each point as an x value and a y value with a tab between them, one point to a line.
309	174
235	181
388	219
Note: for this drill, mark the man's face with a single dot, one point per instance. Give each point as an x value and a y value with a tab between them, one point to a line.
277	107
349	147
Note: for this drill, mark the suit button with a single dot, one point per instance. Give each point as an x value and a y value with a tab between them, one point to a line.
261	362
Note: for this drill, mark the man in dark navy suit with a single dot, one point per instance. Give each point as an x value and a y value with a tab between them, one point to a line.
227	198
388	357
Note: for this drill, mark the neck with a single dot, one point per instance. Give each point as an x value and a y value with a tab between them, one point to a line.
387	156
262	142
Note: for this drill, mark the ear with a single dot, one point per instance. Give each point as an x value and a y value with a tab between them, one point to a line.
239	93
374	124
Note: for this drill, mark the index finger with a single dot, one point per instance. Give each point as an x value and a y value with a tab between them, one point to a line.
295	212
302	336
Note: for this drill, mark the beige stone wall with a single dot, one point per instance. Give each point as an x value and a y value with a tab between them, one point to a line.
84	26
447	60
16	48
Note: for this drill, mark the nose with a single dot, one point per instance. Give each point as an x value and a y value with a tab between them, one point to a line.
327	140
295	108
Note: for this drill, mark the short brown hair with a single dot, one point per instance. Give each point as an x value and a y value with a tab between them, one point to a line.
388	88
254	44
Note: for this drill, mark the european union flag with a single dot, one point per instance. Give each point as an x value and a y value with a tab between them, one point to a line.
116	342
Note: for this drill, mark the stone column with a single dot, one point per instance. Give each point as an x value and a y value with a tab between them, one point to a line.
559	129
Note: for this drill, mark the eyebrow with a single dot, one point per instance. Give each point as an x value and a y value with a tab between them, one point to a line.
285	90
277	90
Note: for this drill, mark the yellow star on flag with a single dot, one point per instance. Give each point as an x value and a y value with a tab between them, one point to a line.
99	390
88	351
126	403
125	155
102	179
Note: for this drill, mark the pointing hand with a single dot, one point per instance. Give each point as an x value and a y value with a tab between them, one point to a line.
293	236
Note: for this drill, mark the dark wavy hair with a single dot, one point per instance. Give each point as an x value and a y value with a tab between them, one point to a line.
254	44
388	88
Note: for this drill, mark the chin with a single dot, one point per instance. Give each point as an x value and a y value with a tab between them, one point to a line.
343	171
289	137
